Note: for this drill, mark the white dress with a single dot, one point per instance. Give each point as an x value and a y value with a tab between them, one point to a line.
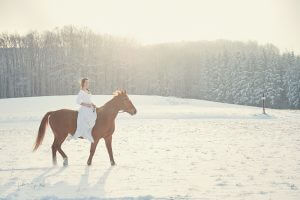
86	117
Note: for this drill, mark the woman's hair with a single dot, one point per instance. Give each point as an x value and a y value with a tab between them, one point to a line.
82	83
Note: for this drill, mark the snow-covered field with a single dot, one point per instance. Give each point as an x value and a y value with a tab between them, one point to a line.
172	149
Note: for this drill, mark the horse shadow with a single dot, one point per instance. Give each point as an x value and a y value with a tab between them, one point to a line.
98	186
97	189
101	182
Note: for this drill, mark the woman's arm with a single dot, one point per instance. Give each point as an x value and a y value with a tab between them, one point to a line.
87	104
80	99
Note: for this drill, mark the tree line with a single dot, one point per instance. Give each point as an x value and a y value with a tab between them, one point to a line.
52	63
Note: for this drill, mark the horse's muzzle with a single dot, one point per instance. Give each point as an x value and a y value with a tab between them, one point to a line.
134	111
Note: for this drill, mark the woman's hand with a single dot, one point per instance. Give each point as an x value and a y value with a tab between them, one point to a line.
94	107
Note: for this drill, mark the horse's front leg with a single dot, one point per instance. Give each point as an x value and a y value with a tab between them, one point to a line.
108	141
92	151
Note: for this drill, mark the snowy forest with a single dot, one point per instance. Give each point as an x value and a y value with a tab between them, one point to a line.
52	63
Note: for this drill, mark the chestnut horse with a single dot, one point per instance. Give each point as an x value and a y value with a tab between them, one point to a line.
64	121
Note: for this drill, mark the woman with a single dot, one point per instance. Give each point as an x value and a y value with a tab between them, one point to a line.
86	114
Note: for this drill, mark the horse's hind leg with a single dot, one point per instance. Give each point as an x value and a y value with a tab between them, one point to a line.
62	153
65	157
54	150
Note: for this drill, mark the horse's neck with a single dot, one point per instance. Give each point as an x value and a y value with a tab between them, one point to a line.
110	109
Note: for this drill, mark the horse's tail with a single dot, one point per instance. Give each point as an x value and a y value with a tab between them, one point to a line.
42	131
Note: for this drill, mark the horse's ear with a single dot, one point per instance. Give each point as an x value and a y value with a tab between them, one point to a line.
119	91
115	93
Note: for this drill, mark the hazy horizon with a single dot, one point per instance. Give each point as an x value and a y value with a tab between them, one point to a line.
151	22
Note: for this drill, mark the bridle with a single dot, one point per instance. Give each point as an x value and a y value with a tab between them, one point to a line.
122	111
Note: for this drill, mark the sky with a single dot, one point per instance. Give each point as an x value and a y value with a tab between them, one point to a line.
157	21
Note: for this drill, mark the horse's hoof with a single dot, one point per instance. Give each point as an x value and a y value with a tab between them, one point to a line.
54	162
65	163
89	163
113	163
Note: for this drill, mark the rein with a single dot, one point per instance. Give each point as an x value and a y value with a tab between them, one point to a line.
121	111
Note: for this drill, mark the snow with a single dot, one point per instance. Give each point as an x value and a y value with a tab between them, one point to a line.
172	149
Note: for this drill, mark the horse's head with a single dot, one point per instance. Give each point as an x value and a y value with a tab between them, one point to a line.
124	102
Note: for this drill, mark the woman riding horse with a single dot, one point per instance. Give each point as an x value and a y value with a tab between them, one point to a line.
64	121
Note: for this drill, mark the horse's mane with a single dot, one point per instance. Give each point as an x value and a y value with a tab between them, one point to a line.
119	92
